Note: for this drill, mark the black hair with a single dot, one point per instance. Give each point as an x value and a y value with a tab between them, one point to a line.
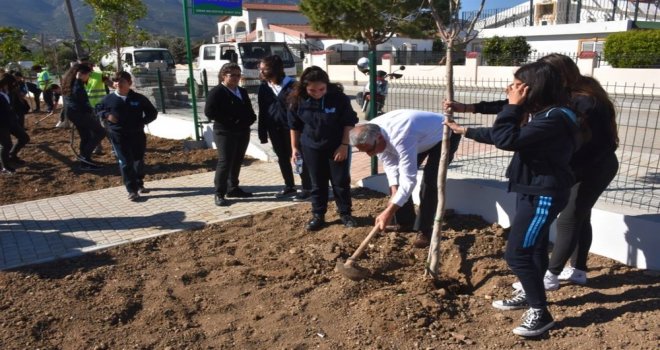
227	68
546	87
311	74
276	68
122	75
70	76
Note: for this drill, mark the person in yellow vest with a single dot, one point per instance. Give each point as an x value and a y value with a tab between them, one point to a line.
43	81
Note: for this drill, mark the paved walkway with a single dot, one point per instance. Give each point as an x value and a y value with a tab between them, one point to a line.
66	226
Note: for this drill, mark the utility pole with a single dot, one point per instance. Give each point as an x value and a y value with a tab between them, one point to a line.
77	40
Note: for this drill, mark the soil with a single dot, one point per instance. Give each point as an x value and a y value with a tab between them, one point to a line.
263	282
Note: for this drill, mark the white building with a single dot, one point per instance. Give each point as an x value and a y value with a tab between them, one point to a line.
271	22
567	26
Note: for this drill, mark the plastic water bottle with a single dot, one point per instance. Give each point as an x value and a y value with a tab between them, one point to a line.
298	164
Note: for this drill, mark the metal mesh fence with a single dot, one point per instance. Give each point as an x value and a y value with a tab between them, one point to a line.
638	117
638	114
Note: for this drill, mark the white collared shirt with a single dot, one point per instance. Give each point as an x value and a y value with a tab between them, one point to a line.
278	88
407	133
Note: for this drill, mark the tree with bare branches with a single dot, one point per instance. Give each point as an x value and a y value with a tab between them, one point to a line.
453	32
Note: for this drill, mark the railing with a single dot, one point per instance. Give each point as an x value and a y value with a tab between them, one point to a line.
398	57
637	183
566	12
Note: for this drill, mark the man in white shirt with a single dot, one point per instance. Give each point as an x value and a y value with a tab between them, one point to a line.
402	140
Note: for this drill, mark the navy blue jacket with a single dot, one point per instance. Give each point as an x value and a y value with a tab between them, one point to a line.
322	122
229	112
601	141
543	148
272	109
77	103
132	115
7	115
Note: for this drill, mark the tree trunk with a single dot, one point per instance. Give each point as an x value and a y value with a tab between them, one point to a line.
433	260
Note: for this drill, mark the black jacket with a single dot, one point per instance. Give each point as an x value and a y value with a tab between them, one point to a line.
7	115
543	148
601	139
322	122
272	109
229	112
132	115
77	103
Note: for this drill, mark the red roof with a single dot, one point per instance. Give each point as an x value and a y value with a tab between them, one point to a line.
271	7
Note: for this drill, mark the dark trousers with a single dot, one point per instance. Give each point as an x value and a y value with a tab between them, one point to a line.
574	222
322	168
22	138
527	245
428	191
5	146
280	139
231	146
90	130
50	98
129	149
36	91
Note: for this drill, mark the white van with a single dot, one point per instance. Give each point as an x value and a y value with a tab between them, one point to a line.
247	55
138	56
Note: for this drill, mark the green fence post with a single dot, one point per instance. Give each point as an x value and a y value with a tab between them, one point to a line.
205	83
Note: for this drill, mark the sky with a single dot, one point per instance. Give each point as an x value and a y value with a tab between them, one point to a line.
473	5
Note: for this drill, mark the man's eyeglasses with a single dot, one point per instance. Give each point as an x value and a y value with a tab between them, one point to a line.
233	75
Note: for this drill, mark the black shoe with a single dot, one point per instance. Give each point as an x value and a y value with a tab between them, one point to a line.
16	160
317	223
348	221
89	167
221	201
302	195
286	192
422	240
141	190
89	161
535	322
8	171
518	301
133	196
237	192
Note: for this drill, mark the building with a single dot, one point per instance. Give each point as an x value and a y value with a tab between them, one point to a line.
285	23
566	26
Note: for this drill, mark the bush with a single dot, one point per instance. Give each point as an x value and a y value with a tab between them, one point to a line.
499	51
636	48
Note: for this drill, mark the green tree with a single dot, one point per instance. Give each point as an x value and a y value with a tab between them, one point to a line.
369	21
636	48
11	45
499	51
114	25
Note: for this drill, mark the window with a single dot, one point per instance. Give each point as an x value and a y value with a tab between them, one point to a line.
595	44
209	53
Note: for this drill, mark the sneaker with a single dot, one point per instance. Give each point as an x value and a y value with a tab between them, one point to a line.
574	275
98	150
316	223
348	221
63	124
237	192
133	196
535	322
286	192
302	195
142	190
221	201
550	282
422	240
518	301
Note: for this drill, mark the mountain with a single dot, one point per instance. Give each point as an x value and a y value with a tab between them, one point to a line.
164	17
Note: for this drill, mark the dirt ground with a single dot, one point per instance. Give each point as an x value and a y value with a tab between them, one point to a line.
52	169
263	282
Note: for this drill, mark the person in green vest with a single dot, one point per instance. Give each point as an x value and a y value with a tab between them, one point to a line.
43	81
